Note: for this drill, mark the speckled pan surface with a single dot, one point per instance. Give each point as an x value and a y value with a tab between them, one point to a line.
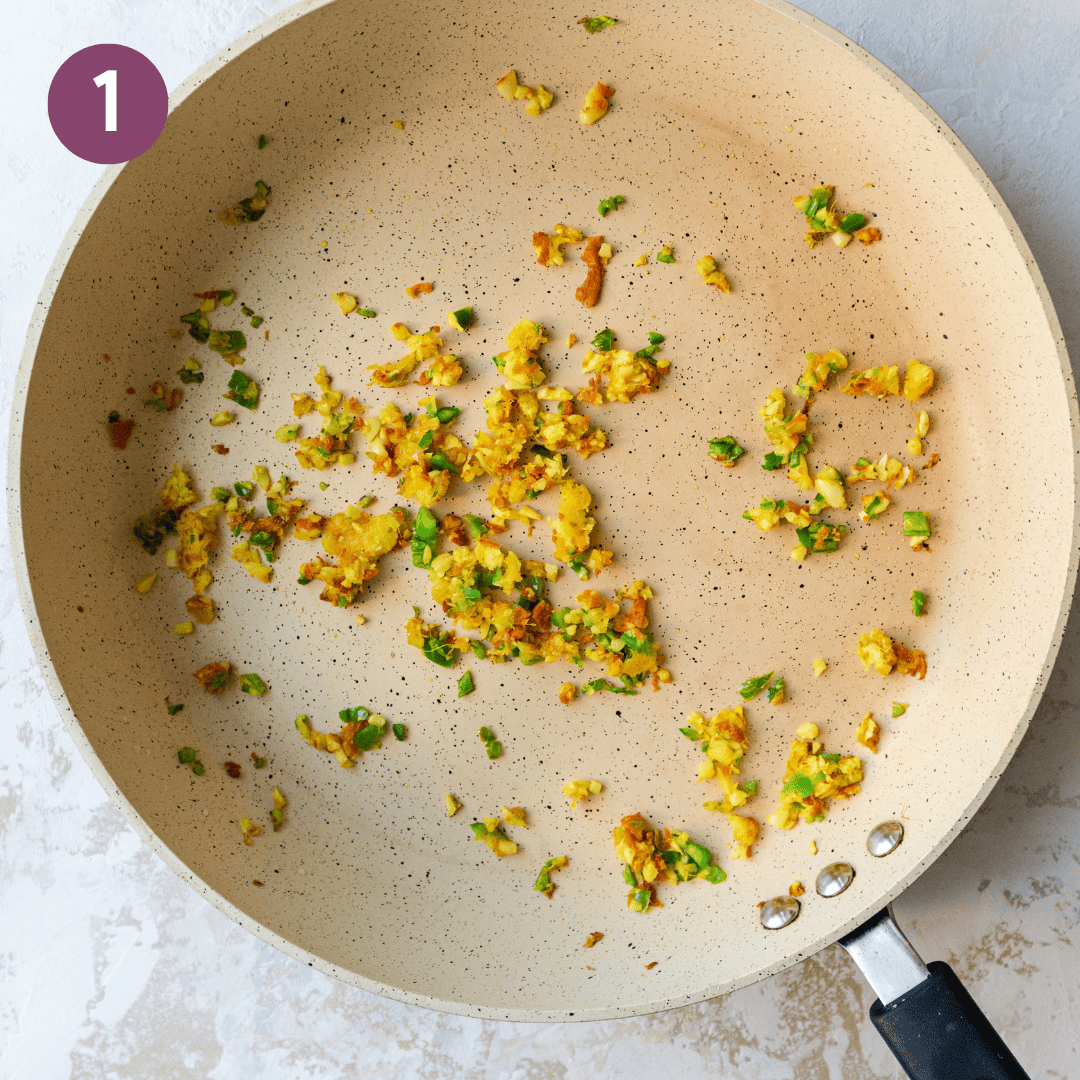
369	880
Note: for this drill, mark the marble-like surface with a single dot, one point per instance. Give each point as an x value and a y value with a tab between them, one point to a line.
111	968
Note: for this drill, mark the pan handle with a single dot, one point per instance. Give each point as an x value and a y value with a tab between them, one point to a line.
934	1027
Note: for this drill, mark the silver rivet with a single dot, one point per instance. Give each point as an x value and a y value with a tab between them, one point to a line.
834	879
885	838
779	912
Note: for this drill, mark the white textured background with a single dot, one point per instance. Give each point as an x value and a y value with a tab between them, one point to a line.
110	967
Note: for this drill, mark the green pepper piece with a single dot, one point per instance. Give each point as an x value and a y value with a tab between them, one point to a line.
690	733
465	684
186	755
918	602
898	708
426	526
439	650
494	749
256	321
399	731
598	23
655	338
775	690
243	390
799	785
198	768
367	737
750	787
461	319
226	341
916	523
640	899
725	449
752	687
701	855
665	257
833	759
851	222
604	341
713	875
439	462
772	461
188	377
366	312
477	528
252	684
628	875
447	413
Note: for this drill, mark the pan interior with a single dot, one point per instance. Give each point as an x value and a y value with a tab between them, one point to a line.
720	116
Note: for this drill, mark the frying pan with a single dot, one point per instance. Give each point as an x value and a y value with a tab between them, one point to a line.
393	896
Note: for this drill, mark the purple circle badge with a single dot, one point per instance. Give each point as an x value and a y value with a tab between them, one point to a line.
108	104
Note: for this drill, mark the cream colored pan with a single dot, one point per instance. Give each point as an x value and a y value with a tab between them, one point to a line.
721	114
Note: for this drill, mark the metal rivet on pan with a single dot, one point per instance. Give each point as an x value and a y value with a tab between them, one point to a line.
779	912
885	838
833	880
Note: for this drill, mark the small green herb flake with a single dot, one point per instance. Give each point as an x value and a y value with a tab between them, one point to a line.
597	22
494	749
366	312
918	602
607	205
899	708
187	755
486	734
665	256
752	687
772	461
256	321
750	787
399	731
252	684
690	733
260	763
173	709
197	768
465	684
264	141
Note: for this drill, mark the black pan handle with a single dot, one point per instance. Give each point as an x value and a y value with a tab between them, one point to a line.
937	1032
929	1021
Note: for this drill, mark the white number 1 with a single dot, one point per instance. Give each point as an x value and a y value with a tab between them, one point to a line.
108	80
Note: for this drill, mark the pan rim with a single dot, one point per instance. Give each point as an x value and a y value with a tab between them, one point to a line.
52	682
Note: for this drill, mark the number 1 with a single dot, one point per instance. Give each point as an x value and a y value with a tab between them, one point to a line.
108	80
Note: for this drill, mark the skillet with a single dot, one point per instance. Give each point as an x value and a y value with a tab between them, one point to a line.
1001	367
